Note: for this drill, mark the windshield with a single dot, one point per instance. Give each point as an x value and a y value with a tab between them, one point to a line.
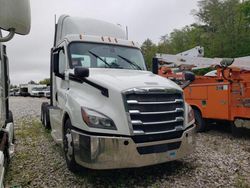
92	55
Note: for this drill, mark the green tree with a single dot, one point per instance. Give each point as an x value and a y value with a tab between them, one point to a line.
226	23
149	49
45	81
222	28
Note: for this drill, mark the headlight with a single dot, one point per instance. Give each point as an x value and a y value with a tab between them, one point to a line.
96	119
190	114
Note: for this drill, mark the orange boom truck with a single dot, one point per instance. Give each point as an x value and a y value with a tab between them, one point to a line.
221	95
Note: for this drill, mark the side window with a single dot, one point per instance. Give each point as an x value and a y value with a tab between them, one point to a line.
62	62
80	60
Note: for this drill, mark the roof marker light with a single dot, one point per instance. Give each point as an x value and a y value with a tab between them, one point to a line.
116	40
109	39
103	39
81	36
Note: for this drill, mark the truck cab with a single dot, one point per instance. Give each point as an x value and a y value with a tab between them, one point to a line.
106	110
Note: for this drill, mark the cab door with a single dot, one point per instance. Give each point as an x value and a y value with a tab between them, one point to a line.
60	87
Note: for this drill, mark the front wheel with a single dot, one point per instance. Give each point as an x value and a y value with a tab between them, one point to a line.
68	147
199	121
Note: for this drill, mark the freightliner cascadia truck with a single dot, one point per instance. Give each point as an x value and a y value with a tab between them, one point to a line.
106	110
14	18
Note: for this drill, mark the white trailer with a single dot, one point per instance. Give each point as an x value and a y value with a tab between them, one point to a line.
106	110
15	18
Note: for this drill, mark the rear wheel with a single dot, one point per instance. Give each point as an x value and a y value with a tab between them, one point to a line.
46	118
45	115
43	111
199	121
236	132
68	147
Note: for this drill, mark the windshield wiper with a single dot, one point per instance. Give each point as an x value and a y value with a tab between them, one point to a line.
97	56
130	62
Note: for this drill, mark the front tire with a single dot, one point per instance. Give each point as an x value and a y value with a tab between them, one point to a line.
199	121
68	147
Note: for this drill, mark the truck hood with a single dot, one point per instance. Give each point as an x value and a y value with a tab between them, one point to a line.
122	79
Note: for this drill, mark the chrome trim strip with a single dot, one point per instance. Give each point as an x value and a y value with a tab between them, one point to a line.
166	102
139	122
178	128
141	132
154	90
160	112
138	132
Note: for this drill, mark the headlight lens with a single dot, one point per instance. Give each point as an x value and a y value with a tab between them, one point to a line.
96	119
190	114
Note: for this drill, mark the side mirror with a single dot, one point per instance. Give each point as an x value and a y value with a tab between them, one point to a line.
15	17
155	65
81	72
226	62
55	58
188	76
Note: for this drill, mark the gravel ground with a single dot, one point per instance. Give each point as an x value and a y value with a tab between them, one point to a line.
220	160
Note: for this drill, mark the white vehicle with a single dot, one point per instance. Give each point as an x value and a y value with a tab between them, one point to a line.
47	92
38	90
15	18
106	109
34	90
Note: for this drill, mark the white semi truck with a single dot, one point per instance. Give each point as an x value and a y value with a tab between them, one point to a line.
106	110
15	18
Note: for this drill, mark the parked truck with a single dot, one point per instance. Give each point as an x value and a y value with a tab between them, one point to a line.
106	110
32	89
222	95
15	18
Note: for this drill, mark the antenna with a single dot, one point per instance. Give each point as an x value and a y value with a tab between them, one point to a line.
127	32
55	31
55	18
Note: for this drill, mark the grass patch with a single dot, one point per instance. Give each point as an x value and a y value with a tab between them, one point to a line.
241	182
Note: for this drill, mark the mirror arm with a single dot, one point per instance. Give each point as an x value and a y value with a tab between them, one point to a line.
9	36
186	84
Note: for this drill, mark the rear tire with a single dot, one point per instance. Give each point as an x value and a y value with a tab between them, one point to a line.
68	147
236	132
42	111
46	117
199	121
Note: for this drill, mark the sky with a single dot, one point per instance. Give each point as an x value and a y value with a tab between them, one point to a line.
29	56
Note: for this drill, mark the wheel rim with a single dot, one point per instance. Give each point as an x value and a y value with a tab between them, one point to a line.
68	145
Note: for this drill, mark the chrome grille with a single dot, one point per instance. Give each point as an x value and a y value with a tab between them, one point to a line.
154	111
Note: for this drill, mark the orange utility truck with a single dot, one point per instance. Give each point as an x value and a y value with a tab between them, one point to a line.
222	95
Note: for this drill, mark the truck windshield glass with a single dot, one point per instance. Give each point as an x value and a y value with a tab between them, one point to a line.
91	55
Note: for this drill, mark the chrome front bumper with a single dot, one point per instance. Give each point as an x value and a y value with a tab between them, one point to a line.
107	152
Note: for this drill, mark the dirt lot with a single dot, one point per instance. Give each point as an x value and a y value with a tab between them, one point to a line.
220	160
